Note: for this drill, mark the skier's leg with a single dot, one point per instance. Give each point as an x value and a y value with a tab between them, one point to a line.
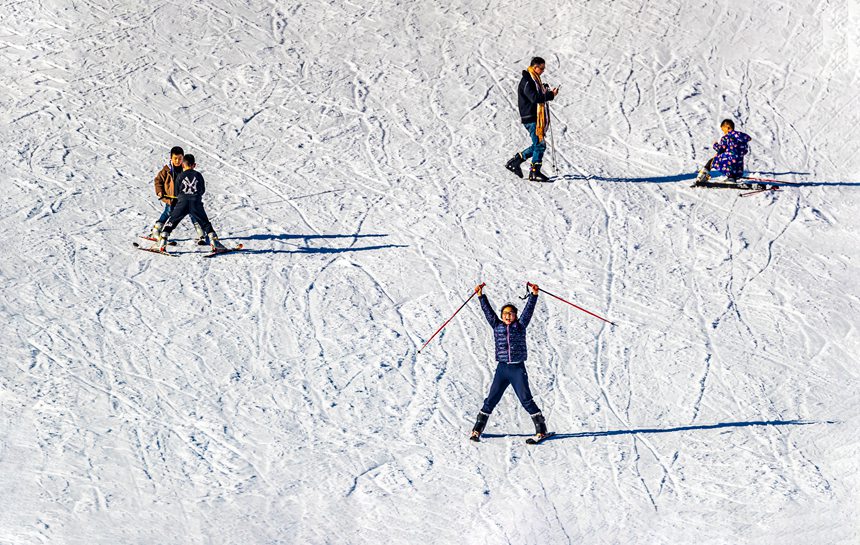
196	211
206	225
180	210
497	388
537	149
159	223
529	151
705	172
165	214
520	381
201	235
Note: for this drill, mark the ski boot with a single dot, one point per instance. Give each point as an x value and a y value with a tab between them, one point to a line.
478	429
156	230
703	177
161	246
514	164
540	428
535	174
201	236
215	244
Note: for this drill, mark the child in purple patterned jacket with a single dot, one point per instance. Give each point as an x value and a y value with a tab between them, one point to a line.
730	154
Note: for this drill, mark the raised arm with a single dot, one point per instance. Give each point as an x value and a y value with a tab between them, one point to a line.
489	313
528	310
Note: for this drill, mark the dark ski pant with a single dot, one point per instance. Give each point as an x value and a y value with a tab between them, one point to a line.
183	207
516	376
168	208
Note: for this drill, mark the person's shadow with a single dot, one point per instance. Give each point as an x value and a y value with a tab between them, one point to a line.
644	431
692	176
307	249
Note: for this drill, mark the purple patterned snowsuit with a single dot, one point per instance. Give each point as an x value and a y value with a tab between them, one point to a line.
730	154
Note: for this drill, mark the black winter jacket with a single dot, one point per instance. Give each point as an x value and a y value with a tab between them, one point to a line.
529	96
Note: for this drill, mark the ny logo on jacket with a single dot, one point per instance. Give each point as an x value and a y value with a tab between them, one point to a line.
190	184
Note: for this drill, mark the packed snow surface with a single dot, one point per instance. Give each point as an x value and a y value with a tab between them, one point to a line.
276	396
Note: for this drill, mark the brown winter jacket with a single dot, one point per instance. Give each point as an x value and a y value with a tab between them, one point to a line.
164	183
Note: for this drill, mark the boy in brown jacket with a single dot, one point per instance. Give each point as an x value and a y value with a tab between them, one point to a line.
166	193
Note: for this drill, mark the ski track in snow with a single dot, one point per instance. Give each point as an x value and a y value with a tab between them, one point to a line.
356	150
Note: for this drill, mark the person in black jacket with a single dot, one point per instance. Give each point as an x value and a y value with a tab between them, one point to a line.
509	335
189	187
532	98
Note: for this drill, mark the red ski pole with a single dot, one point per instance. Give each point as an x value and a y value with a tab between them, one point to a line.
529	284
449	319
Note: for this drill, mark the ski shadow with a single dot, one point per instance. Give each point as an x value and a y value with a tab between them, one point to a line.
288	236
692	176
643	431
311	250
298	248
775	173
821	184
641	180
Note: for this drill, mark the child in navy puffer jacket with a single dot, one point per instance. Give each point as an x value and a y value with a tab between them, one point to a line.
730	153
509	335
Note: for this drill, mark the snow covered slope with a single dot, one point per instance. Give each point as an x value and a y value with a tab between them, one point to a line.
356	149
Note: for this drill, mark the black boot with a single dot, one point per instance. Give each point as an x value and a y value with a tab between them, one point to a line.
535	174
540	425
514	165
480	423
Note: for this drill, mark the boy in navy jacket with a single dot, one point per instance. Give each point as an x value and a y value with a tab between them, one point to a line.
509	335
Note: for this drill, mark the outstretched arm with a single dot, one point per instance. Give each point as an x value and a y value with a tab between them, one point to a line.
489	313
530	306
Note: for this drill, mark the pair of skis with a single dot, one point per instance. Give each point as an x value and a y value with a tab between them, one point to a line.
753	187
156	250
533	440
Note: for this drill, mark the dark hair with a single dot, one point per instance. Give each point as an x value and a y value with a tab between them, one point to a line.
176	150
189	160
729	123
511	306
537	60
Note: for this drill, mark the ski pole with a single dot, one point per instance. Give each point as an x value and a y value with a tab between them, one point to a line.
529	284
552	143
449	319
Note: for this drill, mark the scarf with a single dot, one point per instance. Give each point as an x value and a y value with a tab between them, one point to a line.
542	119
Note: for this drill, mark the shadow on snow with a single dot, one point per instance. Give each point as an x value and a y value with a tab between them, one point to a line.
692	176
310	249
753	423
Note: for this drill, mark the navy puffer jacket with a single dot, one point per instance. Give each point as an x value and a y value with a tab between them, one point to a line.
510	340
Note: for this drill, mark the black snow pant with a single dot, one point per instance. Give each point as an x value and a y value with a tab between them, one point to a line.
516	376
183	207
